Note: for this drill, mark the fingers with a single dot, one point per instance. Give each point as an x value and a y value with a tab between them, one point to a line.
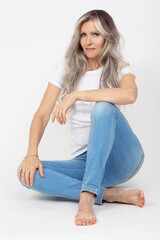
27	180
63	115
27	170
21	175
28	176
23	178
60	116
41	170
32	177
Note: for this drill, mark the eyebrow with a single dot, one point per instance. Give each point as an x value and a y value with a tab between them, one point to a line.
90	32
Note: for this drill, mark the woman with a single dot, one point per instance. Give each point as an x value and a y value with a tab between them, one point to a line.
89	85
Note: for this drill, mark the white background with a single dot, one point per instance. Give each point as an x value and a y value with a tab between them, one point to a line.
34	35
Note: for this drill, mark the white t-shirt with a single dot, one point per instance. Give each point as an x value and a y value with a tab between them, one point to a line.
79	121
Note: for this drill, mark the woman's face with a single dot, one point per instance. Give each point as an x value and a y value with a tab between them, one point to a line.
91	40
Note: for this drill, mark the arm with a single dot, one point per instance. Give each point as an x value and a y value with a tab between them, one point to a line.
41	118
125	94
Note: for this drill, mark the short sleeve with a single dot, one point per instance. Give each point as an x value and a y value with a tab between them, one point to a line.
56	74
125	70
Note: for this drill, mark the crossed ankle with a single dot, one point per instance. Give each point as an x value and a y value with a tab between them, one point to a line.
88	194
87	197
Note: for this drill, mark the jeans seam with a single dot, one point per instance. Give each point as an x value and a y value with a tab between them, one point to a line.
137	168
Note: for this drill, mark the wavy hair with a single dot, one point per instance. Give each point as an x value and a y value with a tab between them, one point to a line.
110	58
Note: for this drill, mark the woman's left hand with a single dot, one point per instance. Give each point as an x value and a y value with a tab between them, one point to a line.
61	108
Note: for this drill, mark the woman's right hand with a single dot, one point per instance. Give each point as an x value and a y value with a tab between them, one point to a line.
29	166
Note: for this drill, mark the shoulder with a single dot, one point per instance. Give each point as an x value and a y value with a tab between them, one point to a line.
126	69
57	72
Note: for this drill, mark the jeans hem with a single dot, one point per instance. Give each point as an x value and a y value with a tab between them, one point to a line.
93	190
99	194
99	198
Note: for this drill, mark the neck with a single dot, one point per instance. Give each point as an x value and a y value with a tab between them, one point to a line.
93	64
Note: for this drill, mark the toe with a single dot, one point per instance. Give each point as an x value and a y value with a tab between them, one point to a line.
141	194
83	222
88	223
78	222
141	203
141	198
92	221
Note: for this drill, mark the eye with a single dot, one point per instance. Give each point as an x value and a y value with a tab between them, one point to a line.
96	34
82	34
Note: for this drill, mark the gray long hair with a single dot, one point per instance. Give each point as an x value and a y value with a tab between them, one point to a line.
110	58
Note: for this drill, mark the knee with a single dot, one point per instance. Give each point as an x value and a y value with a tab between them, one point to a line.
36	179
138	166
103	108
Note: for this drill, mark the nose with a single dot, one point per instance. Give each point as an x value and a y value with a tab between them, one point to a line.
88	40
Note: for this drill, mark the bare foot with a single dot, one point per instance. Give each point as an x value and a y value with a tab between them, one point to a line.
85	215
134	196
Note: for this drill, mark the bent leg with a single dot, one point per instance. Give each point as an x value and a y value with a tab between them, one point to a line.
111	140
62	178
126	157
101	138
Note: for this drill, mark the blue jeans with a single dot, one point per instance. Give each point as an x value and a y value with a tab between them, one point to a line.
114	155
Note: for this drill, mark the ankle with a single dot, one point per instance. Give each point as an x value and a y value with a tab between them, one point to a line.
87	194
87	197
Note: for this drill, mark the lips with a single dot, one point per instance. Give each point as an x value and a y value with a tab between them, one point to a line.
90	49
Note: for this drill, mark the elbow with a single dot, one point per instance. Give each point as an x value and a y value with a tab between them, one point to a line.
132	95
42	117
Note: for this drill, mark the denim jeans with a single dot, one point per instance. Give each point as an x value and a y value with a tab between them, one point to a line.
114	155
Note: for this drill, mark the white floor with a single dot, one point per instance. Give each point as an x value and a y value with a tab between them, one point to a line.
26	214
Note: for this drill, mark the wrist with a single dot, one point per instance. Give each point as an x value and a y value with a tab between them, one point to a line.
75	95
32	150
31	155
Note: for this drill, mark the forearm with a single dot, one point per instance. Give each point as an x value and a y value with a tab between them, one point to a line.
120	96
36	132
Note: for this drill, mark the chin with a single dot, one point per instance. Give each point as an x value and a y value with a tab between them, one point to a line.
91	56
